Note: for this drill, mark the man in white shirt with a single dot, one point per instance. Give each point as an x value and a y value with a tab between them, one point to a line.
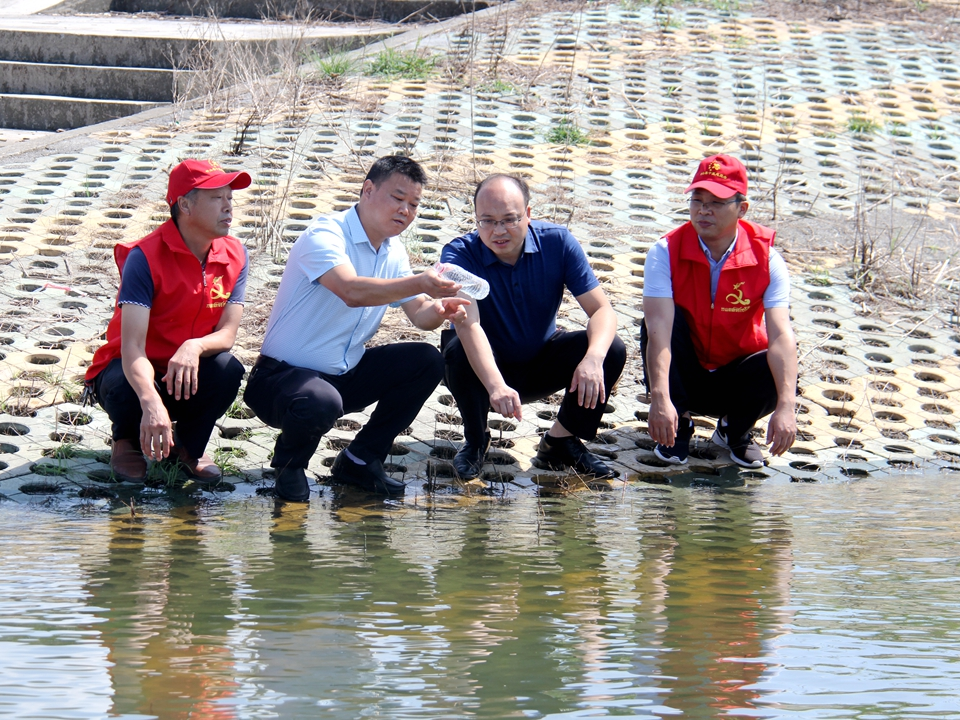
342	273
716	338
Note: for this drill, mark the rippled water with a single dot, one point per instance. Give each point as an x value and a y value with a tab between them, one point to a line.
807	601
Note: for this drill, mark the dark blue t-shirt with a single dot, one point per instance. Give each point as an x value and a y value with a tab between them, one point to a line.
137	285
520	313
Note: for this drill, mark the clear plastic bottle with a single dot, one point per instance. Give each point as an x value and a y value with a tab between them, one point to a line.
471	285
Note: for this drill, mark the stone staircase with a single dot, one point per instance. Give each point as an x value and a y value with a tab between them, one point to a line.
63	72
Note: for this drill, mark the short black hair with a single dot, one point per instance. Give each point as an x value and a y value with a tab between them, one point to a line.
387	166
175	208
739	198
520	183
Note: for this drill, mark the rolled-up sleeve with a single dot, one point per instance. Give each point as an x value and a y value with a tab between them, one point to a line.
777	293
657	280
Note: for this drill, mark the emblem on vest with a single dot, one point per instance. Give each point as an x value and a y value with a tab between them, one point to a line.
736	299
218	298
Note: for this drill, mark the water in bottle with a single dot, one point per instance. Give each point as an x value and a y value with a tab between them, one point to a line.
471	285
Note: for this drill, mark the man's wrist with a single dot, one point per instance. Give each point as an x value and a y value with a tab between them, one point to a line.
787	403
659	395
150	397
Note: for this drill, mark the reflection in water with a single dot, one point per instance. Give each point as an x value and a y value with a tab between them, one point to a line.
769	601
167	604
729	571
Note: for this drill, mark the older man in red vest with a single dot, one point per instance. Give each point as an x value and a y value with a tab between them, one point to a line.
177	313
716	338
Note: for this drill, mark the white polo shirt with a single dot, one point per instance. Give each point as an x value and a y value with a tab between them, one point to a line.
310	326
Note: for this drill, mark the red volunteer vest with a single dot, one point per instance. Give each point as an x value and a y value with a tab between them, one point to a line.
188	299
732	326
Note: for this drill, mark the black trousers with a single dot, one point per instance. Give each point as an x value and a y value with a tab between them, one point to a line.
218	381
743	391
304	404
549	371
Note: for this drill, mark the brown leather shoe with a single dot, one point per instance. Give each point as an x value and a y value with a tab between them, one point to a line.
202	469
127	462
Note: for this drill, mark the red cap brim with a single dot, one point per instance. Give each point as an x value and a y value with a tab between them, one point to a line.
721	191
236	181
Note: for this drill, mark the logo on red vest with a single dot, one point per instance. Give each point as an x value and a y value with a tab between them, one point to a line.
736	299
218	298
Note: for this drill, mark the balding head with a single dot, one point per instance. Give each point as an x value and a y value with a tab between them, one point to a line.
499	179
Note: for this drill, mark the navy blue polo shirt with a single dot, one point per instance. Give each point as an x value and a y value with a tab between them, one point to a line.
520	313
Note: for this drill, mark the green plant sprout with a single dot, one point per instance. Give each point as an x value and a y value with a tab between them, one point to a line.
566	132
862	125
393	64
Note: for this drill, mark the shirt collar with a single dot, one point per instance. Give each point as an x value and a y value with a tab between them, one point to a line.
530	245
357	234
709	256
170	234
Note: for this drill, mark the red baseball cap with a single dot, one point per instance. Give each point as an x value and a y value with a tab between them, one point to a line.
206	174
723	175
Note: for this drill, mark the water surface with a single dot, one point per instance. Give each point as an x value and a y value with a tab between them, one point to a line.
801	601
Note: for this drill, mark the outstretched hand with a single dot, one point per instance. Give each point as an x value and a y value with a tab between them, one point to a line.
436	286
452	309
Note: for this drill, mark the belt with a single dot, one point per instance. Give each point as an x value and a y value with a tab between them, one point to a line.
268	363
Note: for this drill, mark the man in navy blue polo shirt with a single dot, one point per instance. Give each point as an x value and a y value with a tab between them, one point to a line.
507	348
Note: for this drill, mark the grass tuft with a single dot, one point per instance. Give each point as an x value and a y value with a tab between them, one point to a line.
862	125
334	68
566	132
394	64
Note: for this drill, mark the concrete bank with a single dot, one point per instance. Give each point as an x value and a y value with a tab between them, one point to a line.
879	379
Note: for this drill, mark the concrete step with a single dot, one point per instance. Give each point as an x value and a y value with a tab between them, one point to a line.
136	42
92	81
40	46
63	72
393	11
51	112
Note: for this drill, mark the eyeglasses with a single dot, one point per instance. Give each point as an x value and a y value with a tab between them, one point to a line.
710	207
507	223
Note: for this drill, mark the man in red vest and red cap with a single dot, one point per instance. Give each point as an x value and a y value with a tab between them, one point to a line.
716	338
177	313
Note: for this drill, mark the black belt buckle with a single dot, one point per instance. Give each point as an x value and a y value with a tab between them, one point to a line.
267	363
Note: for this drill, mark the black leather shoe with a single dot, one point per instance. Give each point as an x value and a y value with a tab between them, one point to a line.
469	461
569	452
369	477
292	485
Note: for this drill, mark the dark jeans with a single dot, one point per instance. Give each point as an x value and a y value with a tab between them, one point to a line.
743	391
218	381
548	371
304	404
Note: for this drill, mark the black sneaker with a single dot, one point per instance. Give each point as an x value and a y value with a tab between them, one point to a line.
744	451
292	485
469	461
369	477
677	453
569	452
